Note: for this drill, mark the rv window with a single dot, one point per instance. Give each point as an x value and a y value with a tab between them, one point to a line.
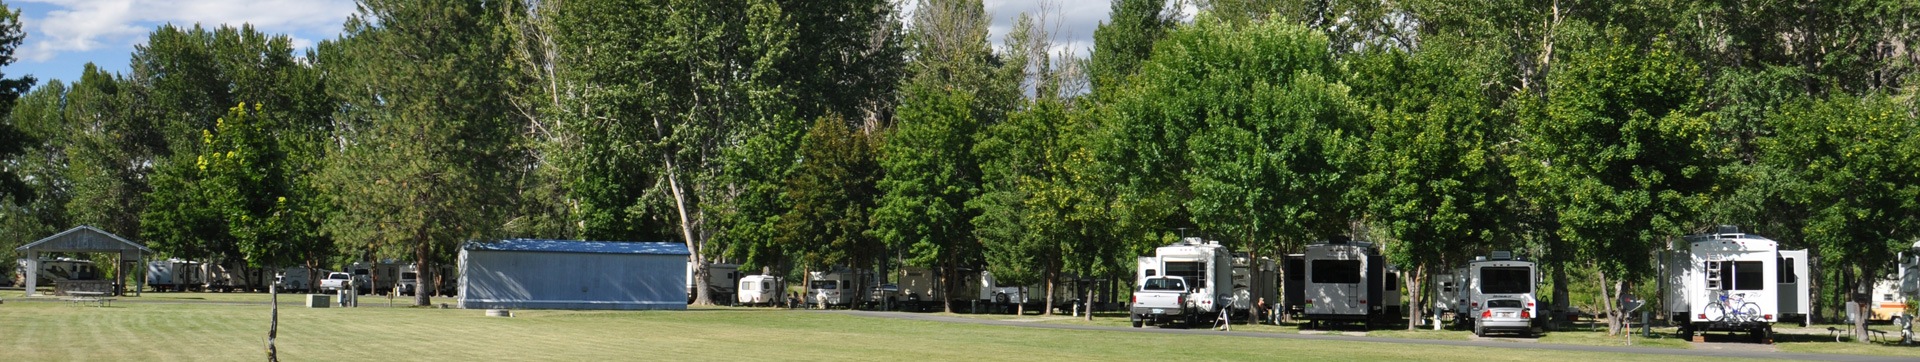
1786	271
1335	271
825	284
1393	281
1190	270
1506	280
1747	275
765	285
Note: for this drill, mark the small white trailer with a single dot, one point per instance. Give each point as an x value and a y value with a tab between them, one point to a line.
1497	293
756	290
1348	281
1731	281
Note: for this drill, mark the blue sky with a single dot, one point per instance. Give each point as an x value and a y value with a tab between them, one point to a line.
63	35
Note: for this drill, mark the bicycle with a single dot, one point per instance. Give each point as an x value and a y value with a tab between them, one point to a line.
1744	312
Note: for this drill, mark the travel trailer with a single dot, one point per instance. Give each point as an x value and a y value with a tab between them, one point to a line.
1731	281
826	289
1205	269
721	280
764	290
1349	281
174	275
1497	294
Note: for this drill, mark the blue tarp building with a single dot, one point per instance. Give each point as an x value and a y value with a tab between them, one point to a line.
573	274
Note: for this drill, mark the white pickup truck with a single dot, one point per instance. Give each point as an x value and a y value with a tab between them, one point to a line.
335	281
1160	300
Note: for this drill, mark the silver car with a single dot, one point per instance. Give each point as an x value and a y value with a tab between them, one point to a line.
1505	315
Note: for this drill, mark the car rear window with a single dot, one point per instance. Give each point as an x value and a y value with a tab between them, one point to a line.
1165	284
1504	303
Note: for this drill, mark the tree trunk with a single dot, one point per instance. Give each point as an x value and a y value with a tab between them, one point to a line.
1865	309
1561	298
1606	303
946	285
422	255
1052	282
273	326
1413	295
700	293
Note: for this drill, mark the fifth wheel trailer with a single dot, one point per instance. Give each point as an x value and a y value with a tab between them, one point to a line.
1205	267
1349	281
1496	293
1731	281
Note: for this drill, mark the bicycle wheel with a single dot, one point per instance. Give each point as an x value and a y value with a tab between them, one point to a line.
1715	312
1750	312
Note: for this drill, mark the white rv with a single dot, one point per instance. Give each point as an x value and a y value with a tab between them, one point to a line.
1206	267
827	289
1254	279
721	280
1730	281
761	290
1497	294
1348	281
299	279
174	275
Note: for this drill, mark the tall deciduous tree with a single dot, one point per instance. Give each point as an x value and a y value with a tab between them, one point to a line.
671	93
13	142
1249	127
1441	191
1616	149
425	147
930	171
186	79
1857	166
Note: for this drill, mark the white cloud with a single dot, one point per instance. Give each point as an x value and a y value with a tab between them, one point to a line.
86	25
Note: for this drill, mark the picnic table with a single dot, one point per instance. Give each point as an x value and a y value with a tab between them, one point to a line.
100	298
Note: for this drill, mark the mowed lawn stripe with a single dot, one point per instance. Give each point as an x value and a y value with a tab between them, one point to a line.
220	332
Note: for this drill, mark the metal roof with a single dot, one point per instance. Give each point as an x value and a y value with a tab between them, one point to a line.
581	246
86	239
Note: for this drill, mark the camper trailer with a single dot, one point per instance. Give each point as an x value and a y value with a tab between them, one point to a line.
761	290
1349	281
1731	281
1497	294
1253	280
721	281
233	275
298	279
826	289
375	277
175	275
1205	268
53	271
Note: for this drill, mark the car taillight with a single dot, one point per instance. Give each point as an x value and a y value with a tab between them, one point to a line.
1133	300
1768	316
1486	313
1181	301
1525	314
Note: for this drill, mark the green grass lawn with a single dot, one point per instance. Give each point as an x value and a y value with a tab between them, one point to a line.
172	327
